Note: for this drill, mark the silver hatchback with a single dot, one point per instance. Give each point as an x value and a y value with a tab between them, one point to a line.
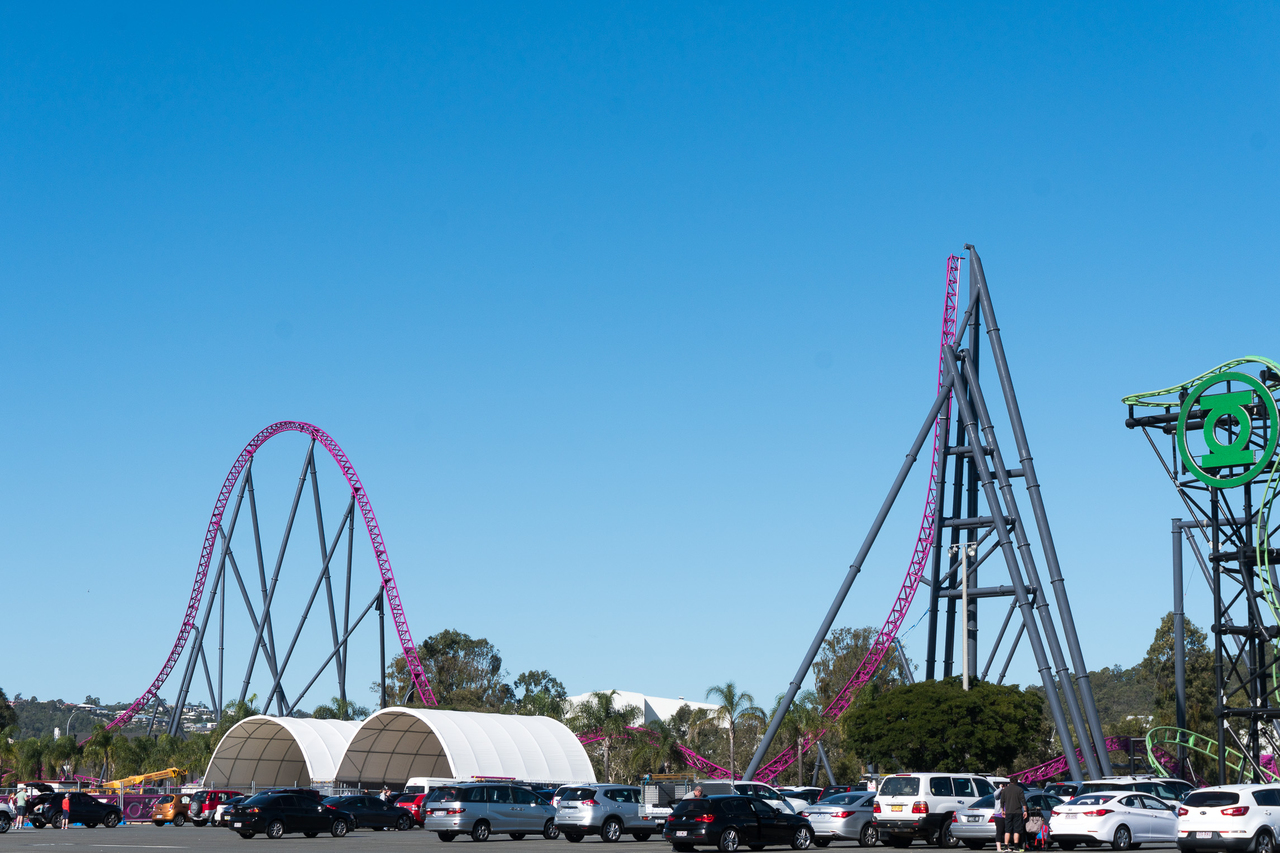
481	810
604	810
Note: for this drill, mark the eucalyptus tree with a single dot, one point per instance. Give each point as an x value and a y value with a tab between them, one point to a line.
736	708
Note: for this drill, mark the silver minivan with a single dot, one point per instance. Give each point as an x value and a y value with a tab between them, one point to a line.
604	810
481	810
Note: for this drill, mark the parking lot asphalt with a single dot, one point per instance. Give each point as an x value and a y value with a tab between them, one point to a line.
148	837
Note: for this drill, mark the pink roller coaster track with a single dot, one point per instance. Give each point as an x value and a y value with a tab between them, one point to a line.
1055	767
211	538
920	556
924	547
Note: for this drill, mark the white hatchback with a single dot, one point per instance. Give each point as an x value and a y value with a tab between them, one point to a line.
1230	817
1122	819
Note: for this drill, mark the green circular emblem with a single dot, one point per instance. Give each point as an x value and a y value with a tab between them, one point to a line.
1236	453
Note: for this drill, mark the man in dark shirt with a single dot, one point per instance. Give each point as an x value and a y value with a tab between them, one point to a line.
1015	814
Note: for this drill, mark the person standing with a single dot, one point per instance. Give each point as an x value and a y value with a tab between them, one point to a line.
66	810
20	807
1015	814
999	819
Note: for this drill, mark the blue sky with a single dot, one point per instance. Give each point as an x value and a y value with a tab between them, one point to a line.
625	312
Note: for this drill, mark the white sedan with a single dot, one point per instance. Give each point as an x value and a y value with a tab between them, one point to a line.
1122	819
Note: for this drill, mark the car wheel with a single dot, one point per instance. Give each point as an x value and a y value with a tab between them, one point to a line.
199	822
802	839
822	842
5	822
310	833
1264	843
1122	839
339	828
404	824
158	822
612	831
111	821
641	836
517	836
446	836
248	833
945	837
480	832
275	829
868	836
575	837
728	840
179	820
550	831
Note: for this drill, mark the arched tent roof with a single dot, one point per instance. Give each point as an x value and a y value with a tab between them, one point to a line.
396	744
279	751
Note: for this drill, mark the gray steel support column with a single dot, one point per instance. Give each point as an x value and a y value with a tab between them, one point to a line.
346	608
1179	643
325	663
271	591
222	633
826	766
382	649
262	571
1095	733
1015	571
1013	647
1029	563
995	647
849	578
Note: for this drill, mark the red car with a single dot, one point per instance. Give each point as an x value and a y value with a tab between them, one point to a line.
413	802
205	803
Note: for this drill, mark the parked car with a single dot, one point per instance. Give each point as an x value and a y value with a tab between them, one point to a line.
85	810
922	805
608	811
1066	790
373	812
809	794
484	809
832	790
770	795
975	826
730	821
171	808
204	805
1230	817
220	814
1122	819
412	802
6	817
1170	790
843	817
276	814
302	792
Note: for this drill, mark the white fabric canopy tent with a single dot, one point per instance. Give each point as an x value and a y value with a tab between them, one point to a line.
396	744
279	752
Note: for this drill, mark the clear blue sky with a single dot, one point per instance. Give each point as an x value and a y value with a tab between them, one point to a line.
625	312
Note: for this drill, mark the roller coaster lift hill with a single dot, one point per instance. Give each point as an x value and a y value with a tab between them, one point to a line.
968	439
1221	460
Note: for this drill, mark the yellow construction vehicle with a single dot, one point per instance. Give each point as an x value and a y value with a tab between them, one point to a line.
130	781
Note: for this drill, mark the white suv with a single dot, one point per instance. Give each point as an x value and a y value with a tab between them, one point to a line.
1230	817
922	805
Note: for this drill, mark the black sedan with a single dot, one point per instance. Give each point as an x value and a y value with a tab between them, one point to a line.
729	822
276	814
86	810
373	812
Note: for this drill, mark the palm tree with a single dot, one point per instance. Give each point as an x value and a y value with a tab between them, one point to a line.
803	718
735	708
101	748
340	709
598	714
657	749
63	753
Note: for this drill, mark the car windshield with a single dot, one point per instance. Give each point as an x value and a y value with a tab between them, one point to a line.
407	798
692	806
166	799
900	786
574	794
333	801
447	794
987	802
841	800
1211	798
1091	800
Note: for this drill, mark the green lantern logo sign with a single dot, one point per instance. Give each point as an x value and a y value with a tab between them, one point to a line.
1228	430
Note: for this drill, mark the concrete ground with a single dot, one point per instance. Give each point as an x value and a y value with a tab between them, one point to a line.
148	837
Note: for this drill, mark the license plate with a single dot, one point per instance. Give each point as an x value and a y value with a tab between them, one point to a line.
1204	835
895	808
234	825
681	833
974	818
1072	816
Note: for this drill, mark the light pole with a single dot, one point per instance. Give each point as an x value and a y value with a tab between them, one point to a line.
967	550
73	713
